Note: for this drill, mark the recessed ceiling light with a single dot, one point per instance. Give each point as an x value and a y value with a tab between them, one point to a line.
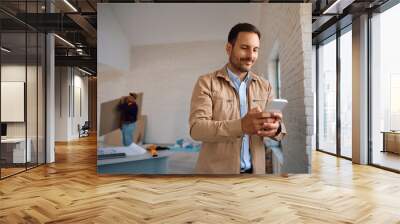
5	49
70	5
84	71
337	7
64	40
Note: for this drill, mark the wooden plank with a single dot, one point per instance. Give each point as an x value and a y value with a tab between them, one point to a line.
110	116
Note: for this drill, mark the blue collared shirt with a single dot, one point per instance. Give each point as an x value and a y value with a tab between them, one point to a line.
241	89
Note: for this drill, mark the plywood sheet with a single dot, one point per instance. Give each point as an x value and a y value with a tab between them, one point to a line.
110	116
114	138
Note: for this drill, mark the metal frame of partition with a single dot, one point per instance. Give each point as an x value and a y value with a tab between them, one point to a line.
338	96
369	104
43	53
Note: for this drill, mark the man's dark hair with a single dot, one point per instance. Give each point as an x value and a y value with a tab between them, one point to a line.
134	95
242	27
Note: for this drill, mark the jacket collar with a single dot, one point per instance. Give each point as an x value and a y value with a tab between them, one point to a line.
223	73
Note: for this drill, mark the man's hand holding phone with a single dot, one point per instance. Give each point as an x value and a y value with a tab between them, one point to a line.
257	122
264	123
271	125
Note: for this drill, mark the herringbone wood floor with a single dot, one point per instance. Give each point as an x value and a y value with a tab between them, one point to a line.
70	191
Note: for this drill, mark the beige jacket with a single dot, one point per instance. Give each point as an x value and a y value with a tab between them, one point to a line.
215	120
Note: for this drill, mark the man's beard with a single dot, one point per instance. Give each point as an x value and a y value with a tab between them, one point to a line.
238	66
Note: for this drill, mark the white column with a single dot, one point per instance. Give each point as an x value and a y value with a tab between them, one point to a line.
360	90
50	92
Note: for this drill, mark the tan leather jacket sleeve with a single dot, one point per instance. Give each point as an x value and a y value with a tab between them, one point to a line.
202	127
282	130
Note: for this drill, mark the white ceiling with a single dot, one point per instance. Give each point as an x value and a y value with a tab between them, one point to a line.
150	23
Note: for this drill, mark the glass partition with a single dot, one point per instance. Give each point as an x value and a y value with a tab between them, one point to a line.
327	96
13	94
385	89
346	93
22	88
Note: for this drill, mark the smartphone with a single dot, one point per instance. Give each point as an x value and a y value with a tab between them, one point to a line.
276	105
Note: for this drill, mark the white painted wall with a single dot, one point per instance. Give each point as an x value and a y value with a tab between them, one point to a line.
61	104
12	73
113	50
113	54
65	119
166	75
81	83
152	23
33	126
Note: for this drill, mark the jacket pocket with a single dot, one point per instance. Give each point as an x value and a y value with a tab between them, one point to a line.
222	108
260	102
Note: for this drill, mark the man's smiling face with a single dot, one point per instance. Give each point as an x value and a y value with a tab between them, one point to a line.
244	52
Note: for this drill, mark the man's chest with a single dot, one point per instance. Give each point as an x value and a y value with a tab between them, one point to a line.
229	102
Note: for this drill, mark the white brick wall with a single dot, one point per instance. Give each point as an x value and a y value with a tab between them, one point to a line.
291	32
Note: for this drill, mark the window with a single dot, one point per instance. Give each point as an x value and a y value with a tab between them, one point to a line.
274	76
346	93
327	96
278	78
385	88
